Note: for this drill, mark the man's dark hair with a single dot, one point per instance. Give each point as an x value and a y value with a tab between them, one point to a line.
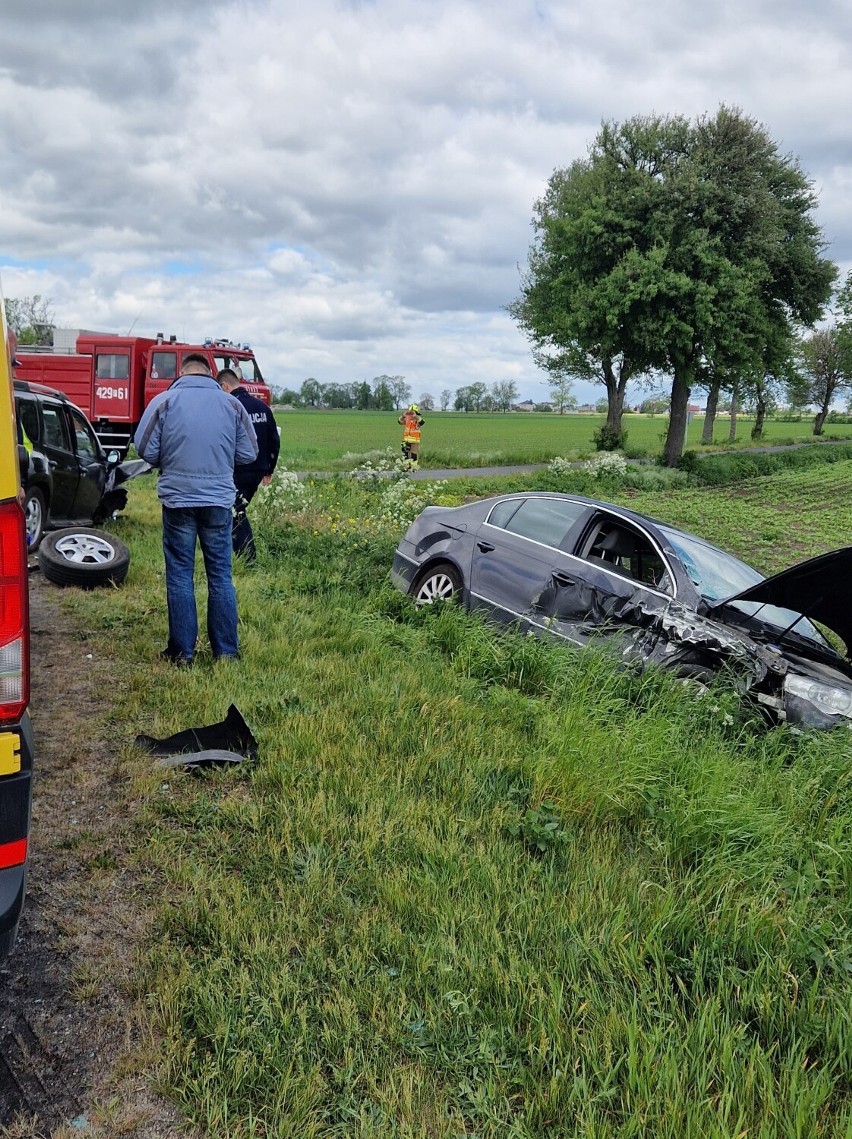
197	358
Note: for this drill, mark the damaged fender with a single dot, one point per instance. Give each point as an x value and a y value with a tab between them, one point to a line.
652	628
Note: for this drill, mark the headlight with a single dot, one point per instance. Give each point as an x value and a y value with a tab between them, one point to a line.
829	698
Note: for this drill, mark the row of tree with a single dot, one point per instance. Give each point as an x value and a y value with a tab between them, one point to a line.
390	393
687	249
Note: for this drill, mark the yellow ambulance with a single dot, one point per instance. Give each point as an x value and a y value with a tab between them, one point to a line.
16	741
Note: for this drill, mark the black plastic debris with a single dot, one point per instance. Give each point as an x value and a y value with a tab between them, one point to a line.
213	745
199	760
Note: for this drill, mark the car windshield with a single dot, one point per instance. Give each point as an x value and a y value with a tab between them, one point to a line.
717	575
714	573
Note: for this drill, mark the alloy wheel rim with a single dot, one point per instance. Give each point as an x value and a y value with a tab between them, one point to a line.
85	549
437	588
33	518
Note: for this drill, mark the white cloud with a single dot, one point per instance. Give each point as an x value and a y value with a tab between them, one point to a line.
350	185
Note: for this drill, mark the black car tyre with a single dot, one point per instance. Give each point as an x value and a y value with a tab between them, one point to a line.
84	557
35	513
440	582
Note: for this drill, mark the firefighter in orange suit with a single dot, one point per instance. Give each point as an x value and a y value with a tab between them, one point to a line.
411	421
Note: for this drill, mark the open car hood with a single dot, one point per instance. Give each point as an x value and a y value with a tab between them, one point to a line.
818	589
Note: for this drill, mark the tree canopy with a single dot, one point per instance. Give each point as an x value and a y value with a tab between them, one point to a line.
31	319
675	247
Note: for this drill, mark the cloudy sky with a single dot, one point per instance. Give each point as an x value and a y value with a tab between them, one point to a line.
348	184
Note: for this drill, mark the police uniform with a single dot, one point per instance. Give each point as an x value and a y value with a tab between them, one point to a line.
249	477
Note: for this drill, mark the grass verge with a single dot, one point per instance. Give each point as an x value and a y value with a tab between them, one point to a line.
478	884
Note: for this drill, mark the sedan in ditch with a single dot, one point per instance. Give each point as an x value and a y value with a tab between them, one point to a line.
592	572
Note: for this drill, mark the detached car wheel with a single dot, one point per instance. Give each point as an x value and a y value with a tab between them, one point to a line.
83	557
35	512
440	583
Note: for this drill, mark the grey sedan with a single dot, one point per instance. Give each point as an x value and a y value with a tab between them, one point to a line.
587	571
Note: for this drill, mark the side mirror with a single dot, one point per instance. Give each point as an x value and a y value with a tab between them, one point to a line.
113	457
23	461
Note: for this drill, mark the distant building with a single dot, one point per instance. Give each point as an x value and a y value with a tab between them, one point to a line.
527	405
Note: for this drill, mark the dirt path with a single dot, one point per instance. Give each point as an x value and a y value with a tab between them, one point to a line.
73	1055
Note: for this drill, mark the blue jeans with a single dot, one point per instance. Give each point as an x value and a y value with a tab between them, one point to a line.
212	526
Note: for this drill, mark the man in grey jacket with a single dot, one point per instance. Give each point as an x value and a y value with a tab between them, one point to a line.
195	433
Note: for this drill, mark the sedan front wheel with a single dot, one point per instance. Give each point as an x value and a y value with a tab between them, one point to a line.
440	583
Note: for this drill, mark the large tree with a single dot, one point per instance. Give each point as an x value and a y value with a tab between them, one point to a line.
399	389
311	392
825	373
504	394
562	391
675	247
383	399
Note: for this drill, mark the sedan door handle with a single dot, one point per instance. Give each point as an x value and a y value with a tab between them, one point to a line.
485	547
562	578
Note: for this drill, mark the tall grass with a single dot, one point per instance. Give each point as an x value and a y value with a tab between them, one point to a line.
477	884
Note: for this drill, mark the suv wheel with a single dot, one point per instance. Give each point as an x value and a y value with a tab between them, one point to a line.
84	557
35	513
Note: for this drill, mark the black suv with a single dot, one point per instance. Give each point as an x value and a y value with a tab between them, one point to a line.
67	476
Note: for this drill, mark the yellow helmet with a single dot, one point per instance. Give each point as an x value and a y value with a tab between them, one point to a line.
414	407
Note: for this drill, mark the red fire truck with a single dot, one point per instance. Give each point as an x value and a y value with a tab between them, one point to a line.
114	378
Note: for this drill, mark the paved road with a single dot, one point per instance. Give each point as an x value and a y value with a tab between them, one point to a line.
478	472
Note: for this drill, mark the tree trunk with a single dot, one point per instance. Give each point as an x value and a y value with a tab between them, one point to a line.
821	417
710	414
676	433
616	386
732	433
757	430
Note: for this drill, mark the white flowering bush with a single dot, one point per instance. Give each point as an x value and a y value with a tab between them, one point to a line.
403	500
387	465
560	466
607	465
284	494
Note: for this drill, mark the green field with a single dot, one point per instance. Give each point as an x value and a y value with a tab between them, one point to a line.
319	440
481	884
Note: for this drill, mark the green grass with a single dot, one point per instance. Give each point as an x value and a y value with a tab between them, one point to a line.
319	440
484	885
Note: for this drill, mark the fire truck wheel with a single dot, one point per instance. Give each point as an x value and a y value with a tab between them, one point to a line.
83	557
35	512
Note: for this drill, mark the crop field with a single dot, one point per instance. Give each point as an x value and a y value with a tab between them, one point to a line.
319	440
482	884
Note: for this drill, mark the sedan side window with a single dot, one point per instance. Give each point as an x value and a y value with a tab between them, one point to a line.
628	553
55	427
502	512
545	520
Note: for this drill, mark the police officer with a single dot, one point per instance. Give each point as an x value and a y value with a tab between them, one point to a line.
248	478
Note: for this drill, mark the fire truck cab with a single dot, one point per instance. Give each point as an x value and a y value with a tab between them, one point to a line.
114	378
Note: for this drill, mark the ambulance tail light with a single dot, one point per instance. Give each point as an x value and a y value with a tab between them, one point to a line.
14	615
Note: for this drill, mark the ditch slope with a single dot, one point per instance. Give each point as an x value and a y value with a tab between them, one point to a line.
73	1052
